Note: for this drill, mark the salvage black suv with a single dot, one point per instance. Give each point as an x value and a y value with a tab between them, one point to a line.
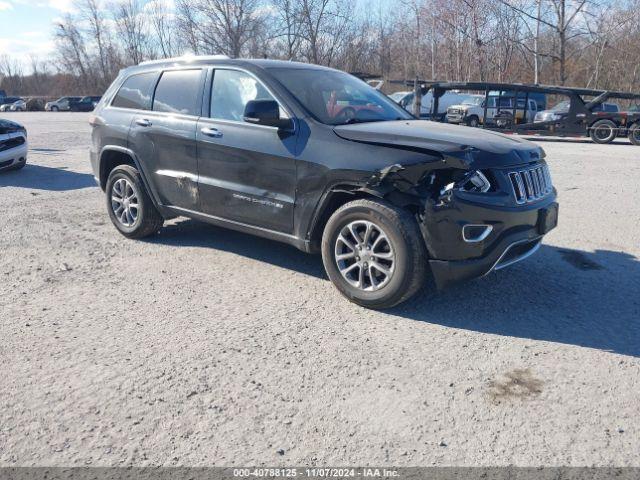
318	159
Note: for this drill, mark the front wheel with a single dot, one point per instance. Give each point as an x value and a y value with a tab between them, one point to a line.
603	131
130	207
374	253
473	121
19	166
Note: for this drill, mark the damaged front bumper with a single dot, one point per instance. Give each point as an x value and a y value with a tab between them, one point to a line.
506	234
13	149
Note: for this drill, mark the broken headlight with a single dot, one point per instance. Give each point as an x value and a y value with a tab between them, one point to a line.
474	181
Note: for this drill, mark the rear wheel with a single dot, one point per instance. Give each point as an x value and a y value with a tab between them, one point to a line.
130	208
634	134
603	131
374	253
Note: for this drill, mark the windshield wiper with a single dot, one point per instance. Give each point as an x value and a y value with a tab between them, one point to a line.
351	121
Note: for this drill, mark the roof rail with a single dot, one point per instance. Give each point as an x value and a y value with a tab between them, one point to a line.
185	58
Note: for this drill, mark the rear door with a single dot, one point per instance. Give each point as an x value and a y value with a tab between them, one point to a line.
164	137
247	172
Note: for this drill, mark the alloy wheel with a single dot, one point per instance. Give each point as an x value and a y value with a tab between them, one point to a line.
364	255
124	202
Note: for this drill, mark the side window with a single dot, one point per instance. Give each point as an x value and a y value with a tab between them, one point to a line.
231	91
179	92
407	100
135	92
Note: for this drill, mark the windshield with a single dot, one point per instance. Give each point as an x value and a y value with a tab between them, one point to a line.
396	97
336	98
561	107
472	100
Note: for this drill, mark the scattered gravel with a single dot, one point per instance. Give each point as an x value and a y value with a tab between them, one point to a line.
203	346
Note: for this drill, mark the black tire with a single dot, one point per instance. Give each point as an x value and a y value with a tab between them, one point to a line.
55	109
473	121
20	165
14	167
603	131
634	134
402	231
147	218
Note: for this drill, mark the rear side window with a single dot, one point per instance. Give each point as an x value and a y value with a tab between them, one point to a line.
135	92
179	92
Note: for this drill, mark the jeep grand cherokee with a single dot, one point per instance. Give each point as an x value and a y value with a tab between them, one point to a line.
318	159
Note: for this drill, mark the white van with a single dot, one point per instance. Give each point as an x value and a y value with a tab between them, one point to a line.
446	100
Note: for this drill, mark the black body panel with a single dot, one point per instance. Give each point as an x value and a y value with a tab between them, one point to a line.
247	174
279	183
166	148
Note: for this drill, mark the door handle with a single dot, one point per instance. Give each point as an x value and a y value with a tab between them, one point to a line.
211	132
143	122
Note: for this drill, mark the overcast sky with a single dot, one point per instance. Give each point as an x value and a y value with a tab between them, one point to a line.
27	26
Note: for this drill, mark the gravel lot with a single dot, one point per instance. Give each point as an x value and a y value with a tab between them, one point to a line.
204	346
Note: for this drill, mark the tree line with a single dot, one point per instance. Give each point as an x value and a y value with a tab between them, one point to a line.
588	43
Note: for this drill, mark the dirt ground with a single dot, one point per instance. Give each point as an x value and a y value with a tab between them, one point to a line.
203	346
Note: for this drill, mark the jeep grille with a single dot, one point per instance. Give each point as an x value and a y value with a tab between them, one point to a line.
531	184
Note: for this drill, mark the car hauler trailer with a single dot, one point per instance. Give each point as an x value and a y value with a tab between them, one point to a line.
507	108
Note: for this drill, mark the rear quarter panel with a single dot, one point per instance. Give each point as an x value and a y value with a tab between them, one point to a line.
109	129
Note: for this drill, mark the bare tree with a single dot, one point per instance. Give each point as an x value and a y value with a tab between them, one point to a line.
163	27
11	73
561	20
90	11
132	30
579	42
324	28
187	26
288	25
220	26
72	52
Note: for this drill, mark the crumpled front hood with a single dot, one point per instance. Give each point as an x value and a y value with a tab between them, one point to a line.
473	147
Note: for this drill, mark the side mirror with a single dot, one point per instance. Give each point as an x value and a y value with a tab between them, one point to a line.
266	112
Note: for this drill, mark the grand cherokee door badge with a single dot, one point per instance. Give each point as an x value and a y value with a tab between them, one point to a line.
266	203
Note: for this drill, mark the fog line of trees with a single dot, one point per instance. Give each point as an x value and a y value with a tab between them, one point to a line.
591	43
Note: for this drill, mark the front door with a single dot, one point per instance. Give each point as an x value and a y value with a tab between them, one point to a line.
247	172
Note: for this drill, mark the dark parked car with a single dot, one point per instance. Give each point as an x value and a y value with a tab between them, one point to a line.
60	105
252	145
85	104
603	122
